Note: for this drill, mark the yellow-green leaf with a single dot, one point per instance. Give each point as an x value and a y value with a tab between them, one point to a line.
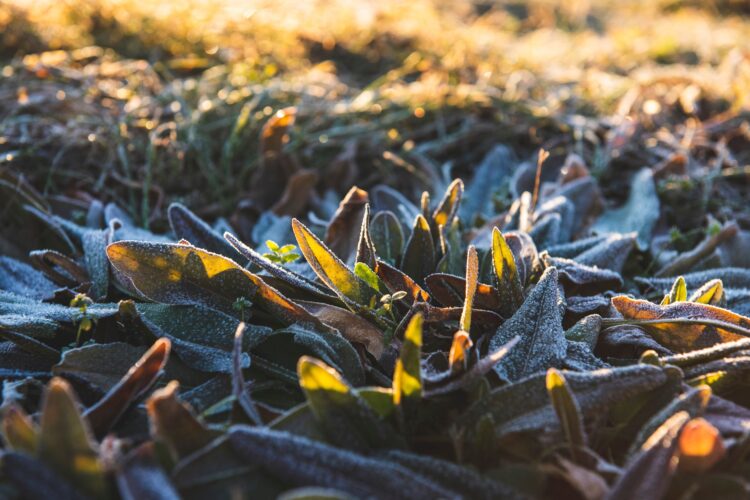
508	283
448	206
407	376
183	274
19	431
343	415
65	441
472	277
566	408
712	292
330	269
678	293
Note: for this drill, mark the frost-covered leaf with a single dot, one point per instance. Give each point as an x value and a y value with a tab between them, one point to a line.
538	323
418	260
683	326
302	462
330	269
344	416
22	279
188	226
136	382
182	274
490	176
524	405
387	236
639	213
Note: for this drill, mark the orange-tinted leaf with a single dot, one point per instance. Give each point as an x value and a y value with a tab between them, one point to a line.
183	274
274	133
173	423
701	446
681	337
139	379
459	353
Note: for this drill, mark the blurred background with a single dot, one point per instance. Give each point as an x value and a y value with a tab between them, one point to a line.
143	103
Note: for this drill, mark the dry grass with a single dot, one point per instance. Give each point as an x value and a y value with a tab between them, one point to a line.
125	101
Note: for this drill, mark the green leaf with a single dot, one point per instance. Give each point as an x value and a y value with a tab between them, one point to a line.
407	376
65	441
368	276
272	245
387	236
344	416
566	408
419	255
330	269
506	273
539	324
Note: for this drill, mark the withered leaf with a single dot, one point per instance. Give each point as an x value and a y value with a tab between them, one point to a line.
174	424
683	337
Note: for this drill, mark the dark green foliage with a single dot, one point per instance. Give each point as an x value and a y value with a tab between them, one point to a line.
409	354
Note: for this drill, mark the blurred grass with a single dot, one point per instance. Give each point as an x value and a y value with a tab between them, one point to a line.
145	104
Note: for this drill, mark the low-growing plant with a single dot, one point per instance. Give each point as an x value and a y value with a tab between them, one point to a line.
413	354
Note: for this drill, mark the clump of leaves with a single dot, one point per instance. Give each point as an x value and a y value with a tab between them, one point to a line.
410	354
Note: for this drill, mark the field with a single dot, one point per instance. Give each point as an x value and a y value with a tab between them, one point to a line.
378	249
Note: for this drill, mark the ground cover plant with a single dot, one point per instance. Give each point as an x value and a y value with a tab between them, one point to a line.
361	257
